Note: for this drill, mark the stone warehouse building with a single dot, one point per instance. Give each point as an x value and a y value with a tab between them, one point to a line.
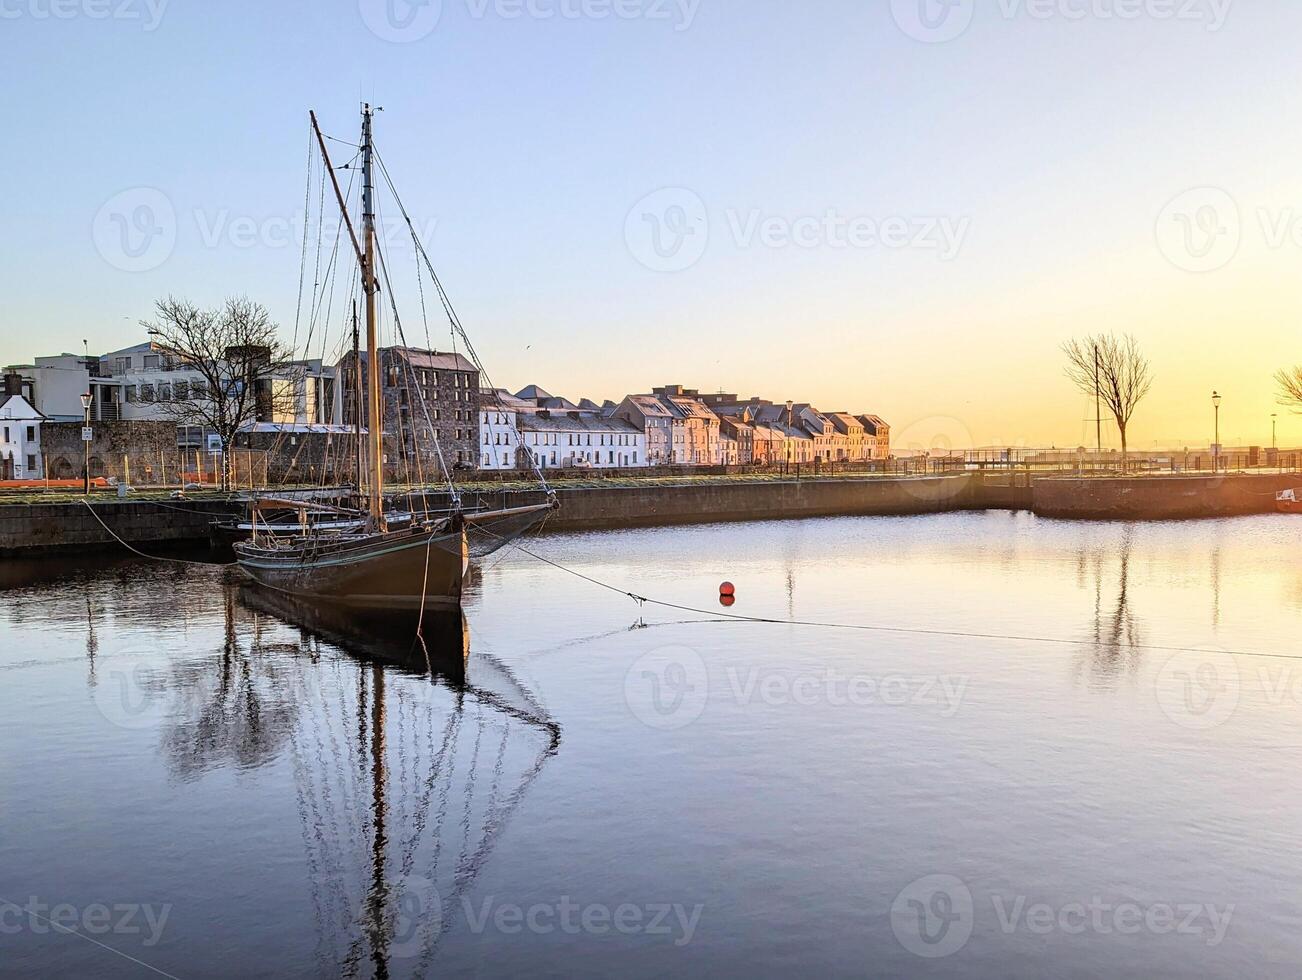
449	384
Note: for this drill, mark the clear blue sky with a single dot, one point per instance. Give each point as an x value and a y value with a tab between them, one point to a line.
1049	144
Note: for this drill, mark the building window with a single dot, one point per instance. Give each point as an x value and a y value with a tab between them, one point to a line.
151	362
31	465
31	433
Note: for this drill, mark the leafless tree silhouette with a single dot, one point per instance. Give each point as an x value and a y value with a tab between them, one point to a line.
1290	387
236	350
1115	368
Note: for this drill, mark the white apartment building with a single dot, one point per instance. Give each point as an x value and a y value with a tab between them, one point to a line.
138	383
581	440
499	429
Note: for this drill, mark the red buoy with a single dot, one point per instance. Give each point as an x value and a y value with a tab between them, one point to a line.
727	600
727	588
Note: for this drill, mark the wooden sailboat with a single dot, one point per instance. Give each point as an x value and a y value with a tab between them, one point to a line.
374	562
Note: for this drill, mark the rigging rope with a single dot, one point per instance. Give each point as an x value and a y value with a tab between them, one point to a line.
716	616
179	561
454	320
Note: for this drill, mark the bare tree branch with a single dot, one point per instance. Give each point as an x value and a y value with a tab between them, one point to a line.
1290	387
1116	369
239	355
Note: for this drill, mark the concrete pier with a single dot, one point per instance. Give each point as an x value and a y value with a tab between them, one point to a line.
33	528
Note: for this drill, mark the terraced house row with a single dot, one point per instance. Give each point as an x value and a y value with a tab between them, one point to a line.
437	416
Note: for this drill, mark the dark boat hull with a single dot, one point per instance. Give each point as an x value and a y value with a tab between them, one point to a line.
420	568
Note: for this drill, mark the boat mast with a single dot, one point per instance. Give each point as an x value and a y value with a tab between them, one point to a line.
359	446
371	286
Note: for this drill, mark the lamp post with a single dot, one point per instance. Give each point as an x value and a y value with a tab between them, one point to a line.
1274	443
787	468
1216	450
85	466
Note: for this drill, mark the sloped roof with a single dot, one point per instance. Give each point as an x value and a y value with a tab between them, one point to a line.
17	403
650	406
577	422
532	393
433	360
844	421
491	398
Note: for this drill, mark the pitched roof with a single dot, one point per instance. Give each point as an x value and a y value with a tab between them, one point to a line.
575	422
532	393
433	360
17	403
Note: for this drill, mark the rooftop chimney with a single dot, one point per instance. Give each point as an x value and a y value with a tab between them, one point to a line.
13	384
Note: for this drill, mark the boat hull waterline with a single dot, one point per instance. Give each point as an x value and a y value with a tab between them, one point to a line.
404	570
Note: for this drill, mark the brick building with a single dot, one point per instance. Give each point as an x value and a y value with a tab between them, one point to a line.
449	384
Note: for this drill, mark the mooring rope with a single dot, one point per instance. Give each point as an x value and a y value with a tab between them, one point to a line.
717	616
179	561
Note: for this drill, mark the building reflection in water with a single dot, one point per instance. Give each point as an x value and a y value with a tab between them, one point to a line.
406	766
1115	632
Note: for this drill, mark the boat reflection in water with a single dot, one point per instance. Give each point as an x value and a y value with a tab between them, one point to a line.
437	643
408	766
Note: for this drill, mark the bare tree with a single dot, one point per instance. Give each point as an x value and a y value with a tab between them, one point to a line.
1115	369
1290	387
237	351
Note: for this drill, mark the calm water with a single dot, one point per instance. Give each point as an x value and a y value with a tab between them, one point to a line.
211	785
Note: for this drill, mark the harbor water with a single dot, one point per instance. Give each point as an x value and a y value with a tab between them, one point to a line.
996	745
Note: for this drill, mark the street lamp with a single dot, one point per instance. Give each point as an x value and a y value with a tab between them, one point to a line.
1216	449
85	466
1274	443
790	405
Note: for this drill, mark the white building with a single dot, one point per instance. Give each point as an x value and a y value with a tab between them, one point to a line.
581	440
138	383
499	429
20	438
